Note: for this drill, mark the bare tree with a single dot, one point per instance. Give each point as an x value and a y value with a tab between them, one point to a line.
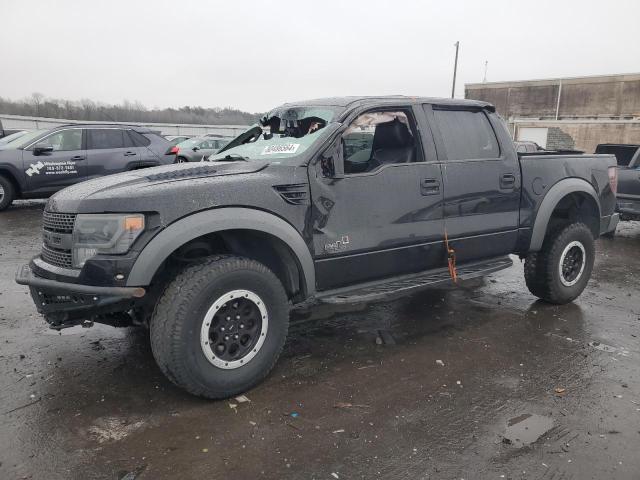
87	109
36	100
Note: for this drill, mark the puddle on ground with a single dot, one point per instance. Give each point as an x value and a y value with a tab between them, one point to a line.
608	348
526	429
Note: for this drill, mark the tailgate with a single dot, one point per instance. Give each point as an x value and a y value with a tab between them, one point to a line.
629	181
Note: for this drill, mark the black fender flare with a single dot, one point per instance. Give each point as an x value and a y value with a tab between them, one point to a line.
549	203
16	174
217	220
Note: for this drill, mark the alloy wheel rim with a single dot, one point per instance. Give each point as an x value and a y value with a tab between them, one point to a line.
572	263
234	329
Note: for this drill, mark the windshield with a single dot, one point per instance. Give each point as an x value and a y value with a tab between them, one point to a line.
282	133
24	139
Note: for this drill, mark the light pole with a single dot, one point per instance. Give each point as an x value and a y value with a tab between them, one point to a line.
455	70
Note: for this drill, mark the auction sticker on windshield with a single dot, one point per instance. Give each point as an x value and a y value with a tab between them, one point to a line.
285	148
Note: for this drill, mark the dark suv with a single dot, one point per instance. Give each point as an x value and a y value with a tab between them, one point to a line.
40	163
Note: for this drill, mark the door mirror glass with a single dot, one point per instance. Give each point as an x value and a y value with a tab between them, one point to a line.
331	161
42	148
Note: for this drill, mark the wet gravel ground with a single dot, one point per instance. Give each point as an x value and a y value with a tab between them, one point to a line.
477	382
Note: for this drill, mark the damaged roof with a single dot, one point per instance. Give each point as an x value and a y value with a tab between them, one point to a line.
353	101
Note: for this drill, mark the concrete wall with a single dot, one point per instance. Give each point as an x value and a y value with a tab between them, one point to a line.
583	135
591	110
603	96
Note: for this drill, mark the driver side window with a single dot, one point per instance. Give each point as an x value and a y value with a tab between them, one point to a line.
377	138
64	140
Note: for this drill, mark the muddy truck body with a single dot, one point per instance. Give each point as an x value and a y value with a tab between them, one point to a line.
336	200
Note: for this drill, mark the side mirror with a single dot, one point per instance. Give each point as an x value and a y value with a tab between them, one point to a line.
41	148
331	161
195	149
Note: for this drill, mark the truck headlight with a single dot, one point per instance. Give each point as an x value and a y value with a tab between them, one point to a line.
94	234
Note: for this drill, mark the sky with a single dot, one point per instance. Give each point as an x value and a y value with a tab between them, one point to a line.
254	55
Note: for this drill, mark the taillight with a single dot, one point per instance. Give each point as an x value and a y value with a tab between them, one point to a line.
613	179
174	149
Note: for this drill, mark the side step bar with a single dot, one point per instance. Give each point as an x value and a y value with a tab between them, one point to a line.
406	284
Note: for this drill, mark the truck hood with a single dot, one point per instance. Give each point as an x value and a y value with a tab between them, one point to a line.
152	189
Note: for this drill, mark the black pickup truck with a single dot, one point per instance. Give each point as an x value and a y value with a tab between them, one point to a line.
628	157
336	200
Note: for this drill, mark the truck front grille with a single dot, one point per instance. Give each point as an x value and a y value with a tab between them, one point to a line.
59	258
58	222
61	224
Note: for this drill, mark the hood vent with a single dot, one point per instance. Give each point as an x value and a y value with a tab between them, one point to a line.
295	193
173	174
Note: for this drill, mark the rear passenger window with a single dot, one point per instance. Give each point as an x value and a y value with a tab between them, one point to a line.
102	138
467	134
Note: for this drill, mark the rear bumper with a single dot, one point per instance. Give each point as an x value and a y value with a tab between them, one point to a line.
65	303
629	208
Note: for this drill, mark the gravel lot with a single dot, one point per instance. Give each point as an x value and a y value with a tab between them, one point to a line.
480	381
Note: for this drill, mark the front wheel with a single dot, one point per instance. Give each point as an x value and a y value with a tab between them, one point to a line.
7	192
220	326
559	272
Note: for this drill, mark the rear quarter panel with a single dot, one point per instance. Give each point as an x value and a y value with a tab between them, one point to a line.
541	172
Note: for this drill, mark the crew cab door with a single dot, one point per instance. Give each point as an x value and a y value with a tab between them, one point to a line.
110	150
65	165
383	217
482	181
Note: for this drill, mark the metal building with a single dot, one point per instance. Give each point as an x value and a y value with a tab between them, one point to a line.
576	112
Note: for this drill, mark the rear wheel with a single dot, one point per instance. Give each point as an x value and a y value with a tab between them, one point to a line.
559	272
220	326
7	192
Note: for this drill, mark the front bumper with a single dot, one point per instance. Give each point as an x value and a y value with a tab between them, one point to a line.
64	304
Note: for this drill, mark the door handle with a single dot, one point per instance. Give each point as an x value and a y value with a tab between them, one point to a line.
429	186
78	157
507	180
129	154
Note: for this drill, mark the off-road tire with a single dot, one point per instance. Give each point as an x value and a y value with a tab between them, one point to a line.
179	314
9	193
542	269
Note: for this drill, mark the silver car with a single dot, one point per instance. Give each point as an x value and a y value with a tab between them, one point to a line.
198	149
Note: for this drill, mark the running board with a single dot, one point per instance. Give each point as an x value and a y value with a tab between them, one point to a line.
399	286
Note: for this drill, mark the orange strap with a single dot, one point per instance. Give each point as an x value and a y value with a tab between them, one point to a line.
451	259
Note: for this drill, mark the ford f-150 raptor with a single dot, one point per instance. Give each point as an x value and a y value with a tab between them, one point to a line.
335	200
